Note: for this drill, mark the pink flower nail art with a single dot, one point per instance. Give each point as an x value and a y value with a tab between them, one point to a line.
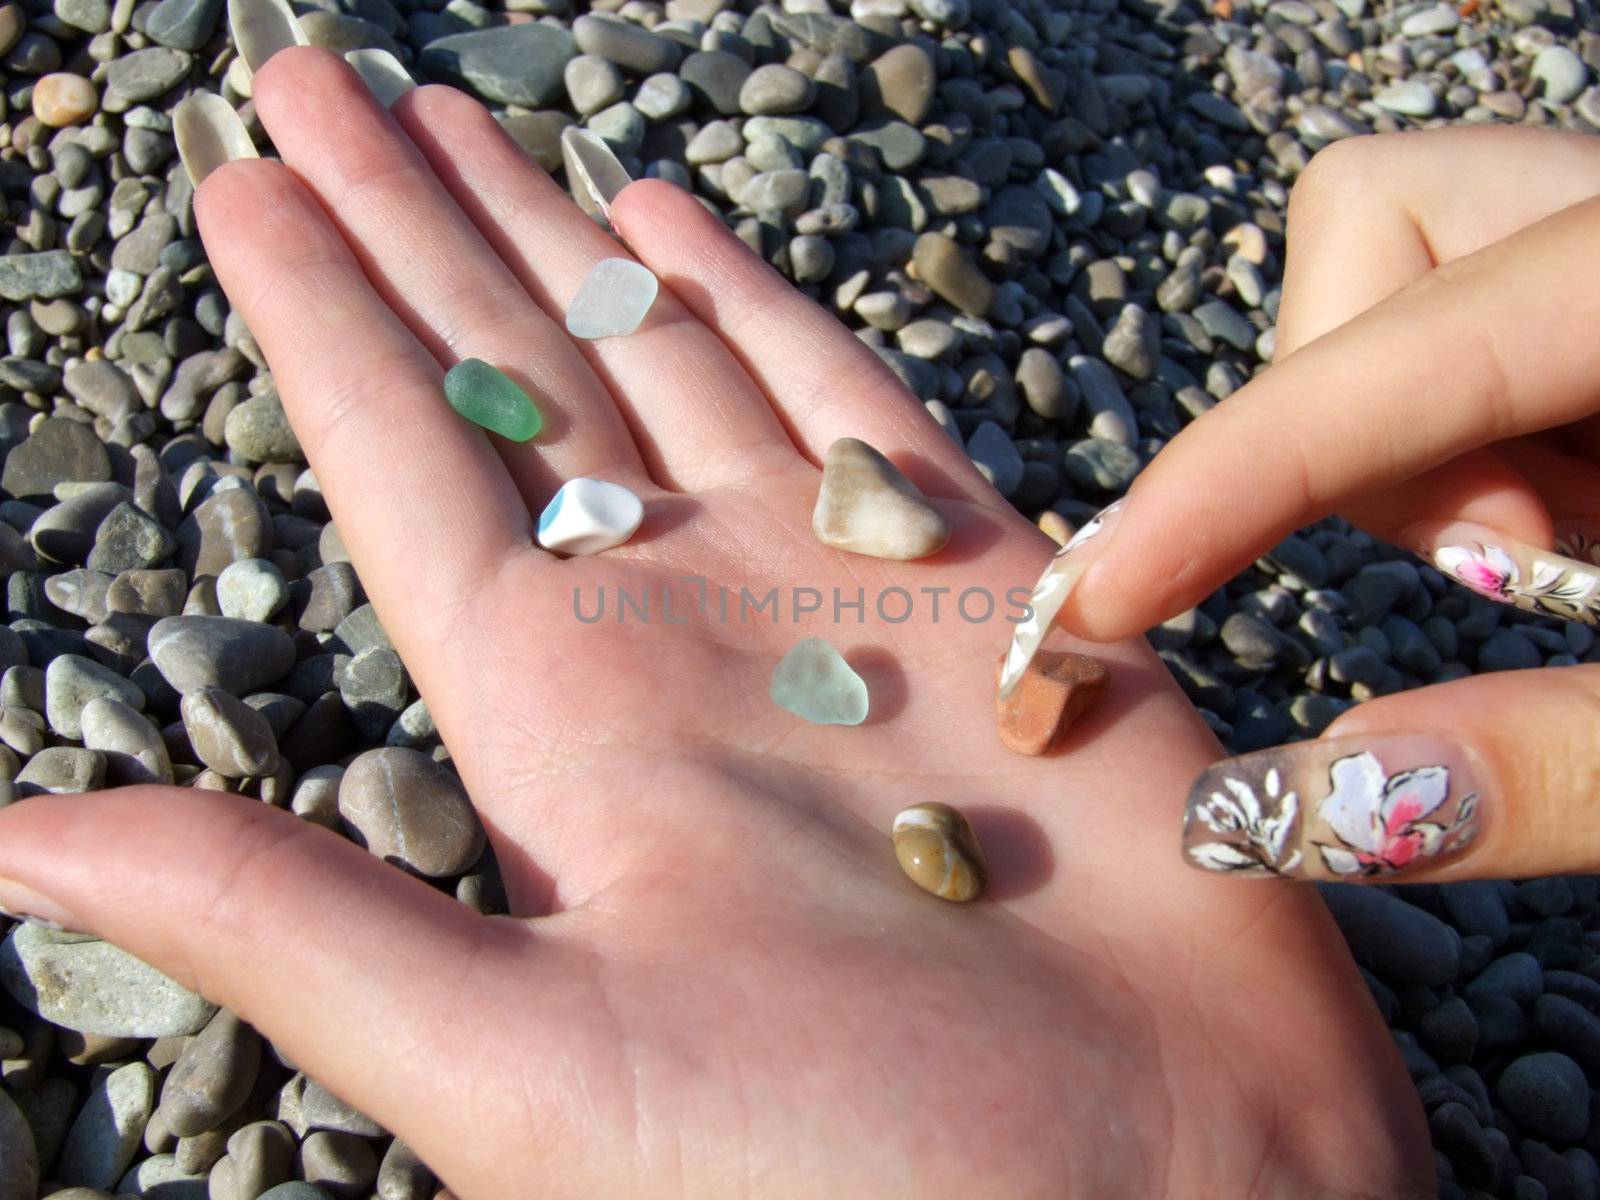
1333	809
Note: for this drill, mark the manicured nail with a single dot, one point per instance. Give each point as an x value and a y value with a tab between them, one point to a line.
261	28
1050	593
1339	809
209	133
22	903
1579	539
1513	572
383	74
593	172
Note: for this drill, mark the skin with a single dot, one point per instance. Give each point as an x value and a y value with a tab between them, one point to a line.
1432	366
717	981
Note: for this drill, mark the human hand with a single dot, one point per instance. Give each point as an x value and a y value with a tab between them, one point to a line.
716	981
1436	385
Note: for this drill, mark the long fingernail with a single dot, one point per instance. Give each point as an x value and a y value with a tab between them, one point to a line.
1050	593
383	74
261	28
1512	571
22	903
593	172
1339	809
209	133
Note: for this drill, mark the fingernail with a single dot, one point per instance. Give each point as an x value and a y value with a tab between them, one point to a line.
383	74
1337	809
1513	572
22	903
593	172
209	133
1050	593
261	28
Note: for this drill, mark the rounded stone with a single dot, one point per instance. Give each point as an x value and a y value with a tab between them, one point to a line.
938	851
64	99
229	736
1547	1094
91	986
212	1076
258	430
19	1156
133	749
252	589
775	88
108	1131
411	811
71	681
194	652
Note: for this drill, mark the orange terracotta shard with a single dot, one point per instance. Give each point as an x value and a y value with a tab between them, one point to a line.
1055	691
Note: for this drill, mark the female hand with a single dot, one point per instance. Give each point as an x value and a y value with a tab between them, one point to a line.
1437	384
717	982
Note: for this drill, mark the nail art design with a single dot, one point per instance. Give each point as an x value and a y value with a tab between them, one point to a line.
386	78
594	173
1535	580
1579	546
1049	594
209	133
1340	809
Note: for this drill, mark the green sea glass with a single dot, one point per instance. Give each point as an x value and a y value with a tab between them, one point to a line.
816	684
485	396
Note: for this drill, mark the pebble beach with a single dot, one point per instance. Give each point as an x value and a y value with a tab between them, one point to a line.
1061	224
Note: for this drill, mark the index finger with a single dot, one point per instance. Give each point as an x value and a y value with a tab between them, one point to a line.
408	481
1479	350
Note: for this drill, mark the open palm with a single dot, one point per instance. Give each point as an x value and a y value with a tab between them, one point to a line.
718	982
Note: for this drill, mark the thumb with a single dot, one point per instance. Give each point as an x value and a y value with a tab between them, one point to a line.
1492	776
1412	384
352	968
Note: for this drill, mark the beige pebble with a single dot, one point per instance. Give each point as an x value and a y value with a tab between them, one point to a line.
938	850
64	99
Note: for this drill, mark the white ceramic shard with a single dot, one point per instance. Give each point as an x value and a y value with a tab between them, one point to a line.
588	516
209	133
386	78
593	172
612	300
261	28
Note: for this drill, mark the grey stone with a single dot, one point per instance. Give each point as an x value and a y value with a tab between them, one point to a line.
194	652
71	681
410	810
259	431
143	75
62	769
129	540
19	1157
1547	1095
91	986
56	452
361	631
133	749
252	589
44	276
107	1133
513	64
228	735
628	45
991	449
228	525
373	686
183	24
212	1076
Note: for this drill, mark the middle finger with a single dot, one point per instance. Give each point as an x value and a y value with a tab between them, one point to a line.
433	268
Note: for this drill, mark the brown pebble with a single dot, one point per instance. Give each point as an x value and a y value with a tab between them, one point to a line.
1055	691
64	99
937	849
